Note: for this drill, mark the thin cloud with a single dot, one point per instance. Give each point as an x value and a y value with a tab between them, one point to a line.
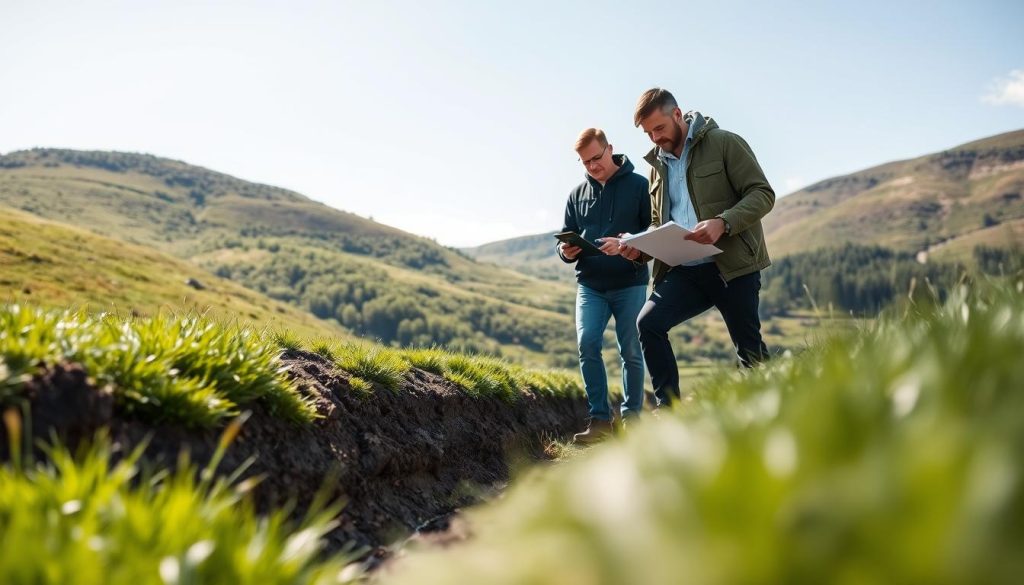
1007	91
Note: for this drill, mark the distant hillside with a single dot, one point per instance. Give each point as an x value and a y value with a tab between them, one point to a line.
380	282
163	202
533	255
53	265
947	202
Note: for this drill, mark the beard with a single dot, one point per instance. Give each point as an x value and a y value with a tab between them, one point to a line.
674	142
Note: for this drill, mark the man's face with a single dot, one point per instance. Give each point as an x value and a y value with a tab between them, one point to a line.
664	130
597	160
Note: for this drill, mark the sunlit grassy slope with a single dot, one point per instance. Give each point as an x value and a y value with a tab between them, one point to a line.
51	264
220	221
889	455
533	254
1007	234
959	193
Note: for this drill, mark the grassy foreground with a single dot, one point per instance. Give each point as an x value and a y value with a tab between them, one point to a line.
197	372
101	517
89	521
894	454
186	370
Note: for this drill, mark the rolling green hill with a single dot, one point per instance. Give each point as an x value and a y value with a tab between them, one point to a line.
55	265
533	255
946	202
378	281
852	242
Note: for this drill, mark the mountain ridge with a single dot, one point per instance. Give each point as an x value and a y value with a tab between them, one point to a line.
388	284
977	185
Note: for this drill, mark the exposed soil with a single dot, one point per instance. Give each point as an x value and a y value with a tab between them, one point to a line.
401	459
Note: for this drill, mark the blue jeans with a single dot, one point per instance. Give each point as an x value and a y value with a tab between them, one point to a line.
593	309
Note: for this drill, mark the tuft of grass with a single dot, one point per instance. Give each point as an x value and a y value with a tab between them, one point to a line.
430	360
488	376
93	519
187	370
550	382
892	454
481	376
360	386
324	348
286	340
374	363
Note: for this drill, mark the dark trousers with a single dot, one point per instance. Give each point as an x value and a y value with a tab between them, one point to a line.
688	291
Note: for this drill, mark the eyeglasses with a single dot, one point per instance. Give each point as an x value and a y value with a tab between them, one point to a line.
593	160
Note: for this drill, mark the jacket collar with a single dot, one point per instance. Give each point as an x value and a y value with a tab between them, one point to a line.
625	168
701	126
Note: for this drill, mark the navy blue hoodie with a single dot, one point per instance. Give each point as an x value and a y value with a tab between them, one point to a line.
593	211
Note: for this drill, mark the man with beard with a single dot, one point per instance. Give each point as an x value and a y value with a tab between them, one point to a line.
706	180
611	200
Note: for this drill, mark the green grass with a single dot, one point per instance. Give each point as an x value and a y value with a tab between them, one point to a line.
196	371
488	376
903	205
56	265
53	265
480	376
220	223
373	363
90	519
892	454
188	370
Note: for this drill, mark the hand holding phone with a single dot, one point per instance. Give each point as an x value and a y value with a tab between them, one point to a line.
573	239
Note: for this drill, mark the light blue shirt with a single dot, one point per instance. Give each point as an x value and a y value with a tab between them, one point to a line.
680	208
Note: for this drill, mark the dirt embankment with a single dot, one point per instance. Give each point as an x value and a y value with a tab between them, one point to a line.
399	458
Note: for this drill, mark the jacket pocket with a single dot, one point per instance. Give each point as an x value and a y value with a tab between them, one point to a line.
749	242
711	184
708	169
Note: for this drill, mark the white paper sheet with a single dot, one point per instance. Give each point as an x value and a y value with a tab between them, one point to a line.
668	243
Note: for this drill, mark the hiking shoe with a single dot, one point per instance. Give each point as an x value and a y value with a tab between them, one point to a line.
596	432
629	422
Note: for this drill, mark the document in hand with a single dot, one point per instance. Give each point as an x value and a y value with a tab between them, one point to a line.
668	243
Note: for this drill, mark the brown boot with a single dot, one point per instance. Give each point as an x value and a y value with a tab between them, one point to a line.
596	432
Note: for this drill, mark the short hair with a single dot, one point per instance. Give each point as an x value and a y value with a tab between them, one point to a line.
589	135
651	100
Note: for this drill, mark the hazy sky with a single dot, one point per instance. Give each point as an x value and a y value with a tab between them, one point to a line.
455	120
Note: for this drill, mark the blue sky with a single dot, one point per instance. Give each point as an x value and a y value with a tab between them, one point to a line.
455	120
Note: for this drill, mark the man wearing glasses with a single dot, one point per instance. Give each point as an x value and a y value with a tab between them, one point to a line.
610	201
707	180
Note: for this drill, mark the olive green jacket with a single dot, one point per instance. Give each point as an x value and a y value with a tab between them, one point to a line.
724	181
